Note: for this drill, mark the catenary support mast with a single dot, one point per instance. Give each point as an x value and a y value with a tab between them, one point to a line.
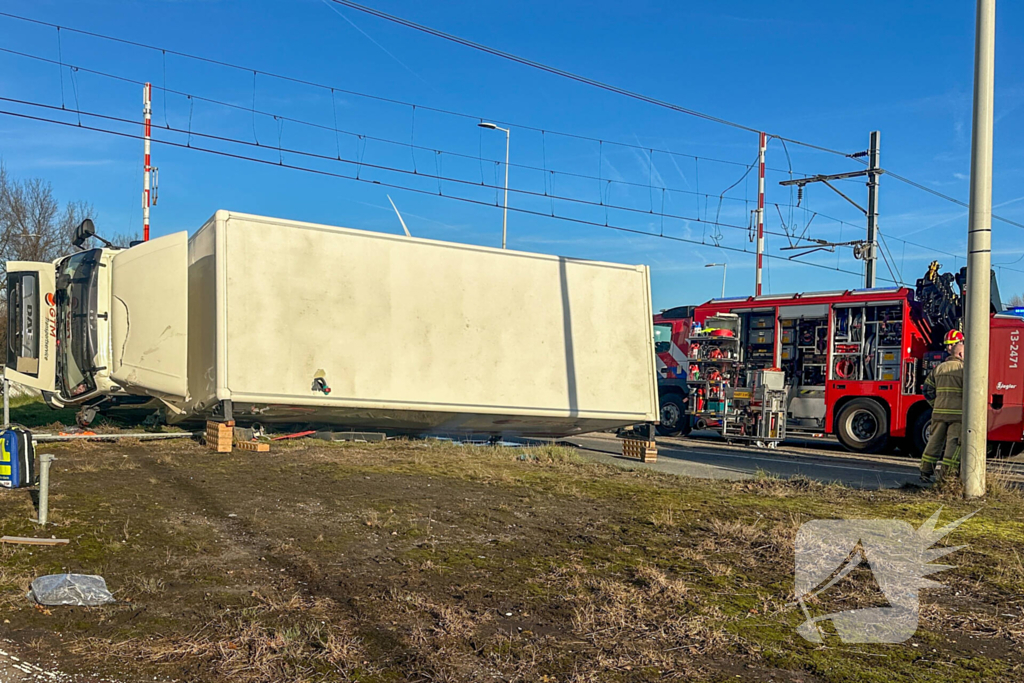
874	172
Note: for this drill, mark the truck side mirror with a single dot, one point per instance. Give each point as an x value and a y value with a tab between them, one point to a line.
85	230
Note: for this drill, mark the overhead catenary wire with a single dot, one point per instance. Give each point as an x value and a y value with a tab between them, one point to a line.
941	195
569	75
322	172
165	51
889	267
885	248
301	81
360	163
363	137
248	69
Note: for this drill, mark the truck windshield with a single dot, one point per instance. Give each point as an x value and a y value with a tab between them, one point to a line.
76	322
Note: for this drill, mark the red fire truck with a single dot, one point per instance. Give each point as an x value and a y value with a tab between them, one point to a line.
855	360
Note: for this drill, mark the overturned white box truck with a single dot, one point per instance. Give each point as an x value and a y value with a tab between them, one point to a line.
281	322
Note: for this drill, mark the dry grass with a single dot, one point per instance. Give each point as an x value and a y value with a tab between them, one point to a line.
254	652
664	518
644	618
275	638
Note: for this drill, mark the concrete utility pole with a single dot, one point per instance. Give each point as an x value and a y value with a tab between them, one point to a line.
874	172
979	257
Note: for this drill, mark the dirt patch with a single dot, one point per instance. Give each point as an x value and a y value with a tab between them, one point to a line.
433	562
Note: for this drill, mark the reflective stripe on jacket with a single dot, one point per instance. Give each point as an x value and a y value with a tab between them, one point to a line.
948	381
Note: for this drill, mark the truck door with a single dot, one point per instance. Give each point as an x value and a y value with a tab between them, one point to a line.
31	325
149	317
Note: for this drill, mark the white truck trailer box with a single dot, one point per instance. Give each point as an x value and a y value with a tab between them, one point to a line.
412	334
286	322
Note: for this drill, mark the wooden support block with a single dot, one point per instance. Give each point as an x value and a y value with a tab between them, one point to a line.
220	435
644	451
257	446
21	540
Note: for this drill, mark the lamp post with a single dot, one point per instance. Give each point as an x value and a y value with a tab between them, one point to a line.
724	267
504	218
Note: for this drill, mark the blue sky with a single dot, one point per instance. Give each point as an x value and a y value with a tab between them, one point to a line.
825	73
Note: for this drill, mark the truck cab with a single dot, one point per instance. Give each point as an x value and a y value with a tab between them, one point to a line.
671	330
83	329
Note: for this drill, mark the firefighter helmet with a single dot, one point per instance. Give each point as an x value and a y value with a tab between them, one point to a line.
954	337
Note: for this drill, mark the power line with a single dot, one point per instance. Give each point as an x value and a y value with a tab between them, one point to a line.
361	136
282	164
335	89
941	195
165	51
360	163
897	275
364	137
567	74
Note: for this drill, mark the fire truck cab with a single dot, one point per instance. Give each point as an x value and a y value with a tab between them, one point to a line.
671	331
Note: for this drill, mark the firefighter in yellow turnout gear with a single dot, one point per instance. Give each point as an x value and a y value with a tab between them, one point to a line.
944	391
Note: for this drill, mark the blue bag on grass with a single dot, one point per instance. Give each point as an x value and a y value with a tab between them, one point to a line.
17	459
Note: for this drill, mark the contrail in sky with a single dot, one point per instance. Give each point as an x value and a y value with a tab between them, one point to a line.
370	38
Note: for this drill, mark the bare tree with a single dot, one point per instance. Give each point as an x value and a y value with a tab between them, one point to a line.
1017	300
33	227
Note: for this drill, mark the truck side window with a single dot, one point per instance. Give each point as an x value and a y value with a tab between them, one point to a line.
662	338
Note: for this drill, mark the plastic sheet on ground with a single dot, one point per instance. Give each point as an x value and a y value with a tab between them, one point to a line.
80	590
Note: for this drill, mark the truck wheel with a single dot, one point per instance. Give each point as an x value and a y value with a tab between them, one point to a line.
920	432
862	426
673	416
85	416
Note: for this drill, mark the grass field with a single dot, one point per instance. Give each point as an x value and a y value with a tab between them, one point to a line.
426	561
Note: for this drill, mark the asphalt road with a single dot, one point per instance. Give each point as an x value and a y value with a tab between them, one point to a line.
712	458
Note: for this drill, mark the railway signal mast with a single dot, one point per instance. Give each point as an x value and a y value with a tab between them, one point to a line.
150	174
868	249
761	147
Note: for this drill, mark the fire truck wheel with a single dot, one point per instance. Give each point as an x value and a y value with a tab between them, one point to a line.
673	416
862	426
922	430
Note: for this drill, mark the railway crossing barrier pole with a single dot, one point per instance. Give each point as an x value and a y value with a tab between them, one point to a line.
147	171
762	145
979	258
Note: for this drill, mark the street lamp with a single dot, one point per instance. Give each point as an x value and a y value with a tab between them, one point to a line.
504	219
724	267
